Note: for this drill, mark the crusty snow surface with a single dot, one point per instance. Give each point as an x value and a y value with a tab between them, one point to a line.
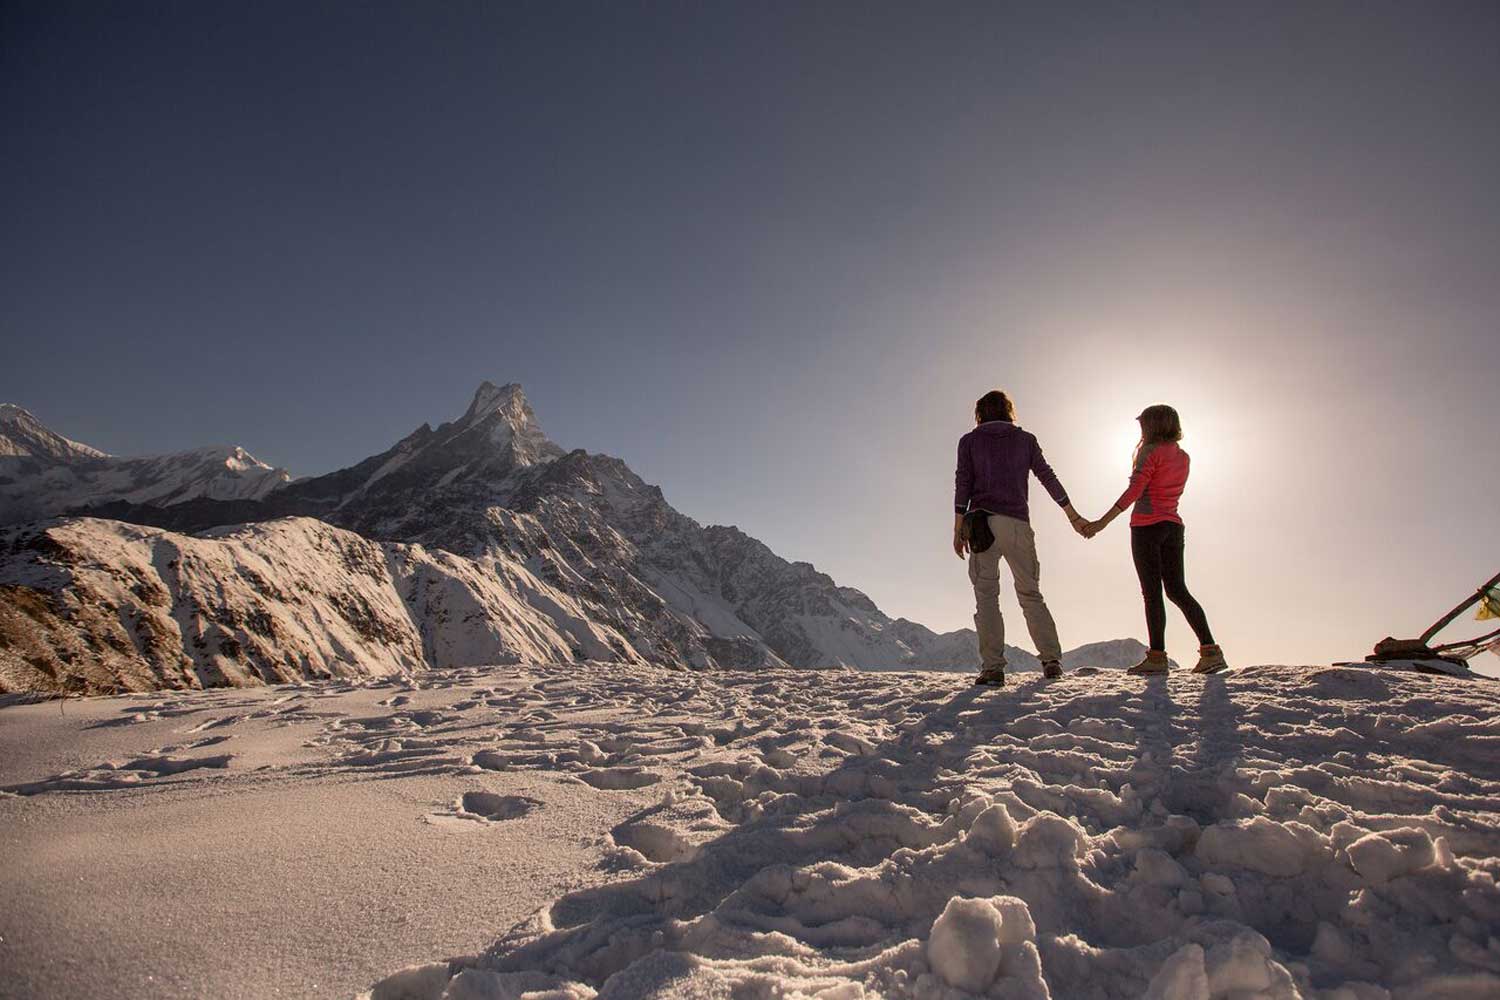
582	830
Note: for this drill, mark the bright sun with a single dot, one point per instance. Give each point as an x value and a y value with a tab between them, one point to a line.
1119	444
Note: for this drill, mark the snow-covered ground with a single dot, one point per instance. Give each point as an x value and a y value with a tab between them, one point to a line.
634	830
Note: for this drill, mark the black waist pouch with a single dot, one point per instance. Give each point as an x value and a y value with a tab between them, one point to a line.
976	530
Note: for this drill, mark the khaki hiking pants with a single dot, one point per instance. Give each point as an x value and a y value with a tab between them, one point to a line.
1015	542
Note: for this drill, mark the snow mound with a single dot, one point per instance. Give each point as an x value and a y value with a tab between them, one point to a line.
974	941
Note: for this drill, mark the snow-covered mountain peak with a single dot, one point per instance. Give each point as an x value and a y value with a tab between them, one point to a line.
239	459
232	457
24	436
490	397
503	414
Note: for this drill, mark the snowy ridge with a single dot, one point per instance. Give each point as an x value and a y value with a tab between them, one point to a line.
99	605
24	436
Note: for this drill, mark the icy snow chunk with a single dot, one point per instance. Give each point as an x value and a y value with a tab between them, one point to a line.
1157	868
476	984
481	984
1176	835
1241	964
1243	805
1181	976
1380	857
1048	841
1016	925
965	944
417	982
993	831
1260	844
970	937
1344	833
1219	885
970	808
1473	953
1330	945
1357	991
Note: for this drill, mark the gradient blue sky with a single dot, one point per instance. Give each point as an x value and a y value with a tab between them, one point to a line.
770	254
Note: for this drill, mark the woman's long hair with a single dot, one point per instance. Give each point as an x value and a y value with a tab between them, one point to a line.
1159	425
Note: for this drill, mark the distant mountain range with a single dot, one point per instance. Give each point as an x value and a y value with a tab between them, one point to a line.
479	541
43	473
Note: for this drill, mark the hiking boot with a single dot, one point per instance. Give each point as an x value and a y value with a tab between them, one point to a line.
991	676
1051	669
1210	660
1154	662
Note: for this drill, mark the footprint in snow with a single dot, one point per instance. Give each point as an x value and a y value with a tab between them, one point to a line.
491	760
491	807
654	842
620	778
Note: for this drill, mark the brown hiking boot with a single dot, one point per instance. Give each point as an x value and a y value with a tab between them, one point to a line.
1051	669
1154	662
991	676
1210	660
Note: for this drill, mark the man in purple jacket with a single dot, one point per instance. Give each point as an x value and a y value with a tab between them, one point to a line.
995	460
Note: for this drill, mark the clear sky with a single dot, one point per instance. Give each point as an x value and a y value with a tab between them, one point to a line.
771	253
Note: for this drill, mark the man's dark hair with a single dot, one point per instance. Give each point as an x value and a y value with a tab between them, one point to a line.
994	405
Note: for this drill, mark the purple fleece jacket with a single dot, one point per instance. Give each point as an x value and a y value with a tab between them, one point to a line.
994	460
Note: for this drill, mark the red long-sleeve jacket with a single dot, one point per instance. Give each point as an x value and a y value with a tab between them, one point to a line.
1161	472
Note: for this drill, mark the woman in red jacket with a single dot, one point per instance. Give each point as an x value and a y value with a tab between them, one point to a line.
1157	538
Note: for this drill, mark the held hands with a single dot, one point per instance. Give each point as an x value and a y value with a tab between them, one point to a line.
1087	528
1082	525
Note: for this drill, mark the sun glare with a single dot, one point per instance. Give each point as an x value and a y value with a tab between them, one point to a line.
1119	443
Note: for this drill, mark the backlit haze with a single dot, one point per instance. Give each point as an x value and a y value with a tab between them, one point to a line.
771	254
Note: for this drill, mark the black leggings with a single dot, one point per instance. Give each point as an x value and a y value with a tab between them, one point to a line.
1157	549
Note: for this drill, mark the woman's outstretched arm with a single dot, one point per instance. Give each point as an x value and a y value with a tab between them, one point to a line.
1094	527
1145	468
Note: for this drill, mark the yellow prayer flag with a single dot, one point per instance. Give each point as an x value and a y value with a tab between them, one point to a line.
1489	603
